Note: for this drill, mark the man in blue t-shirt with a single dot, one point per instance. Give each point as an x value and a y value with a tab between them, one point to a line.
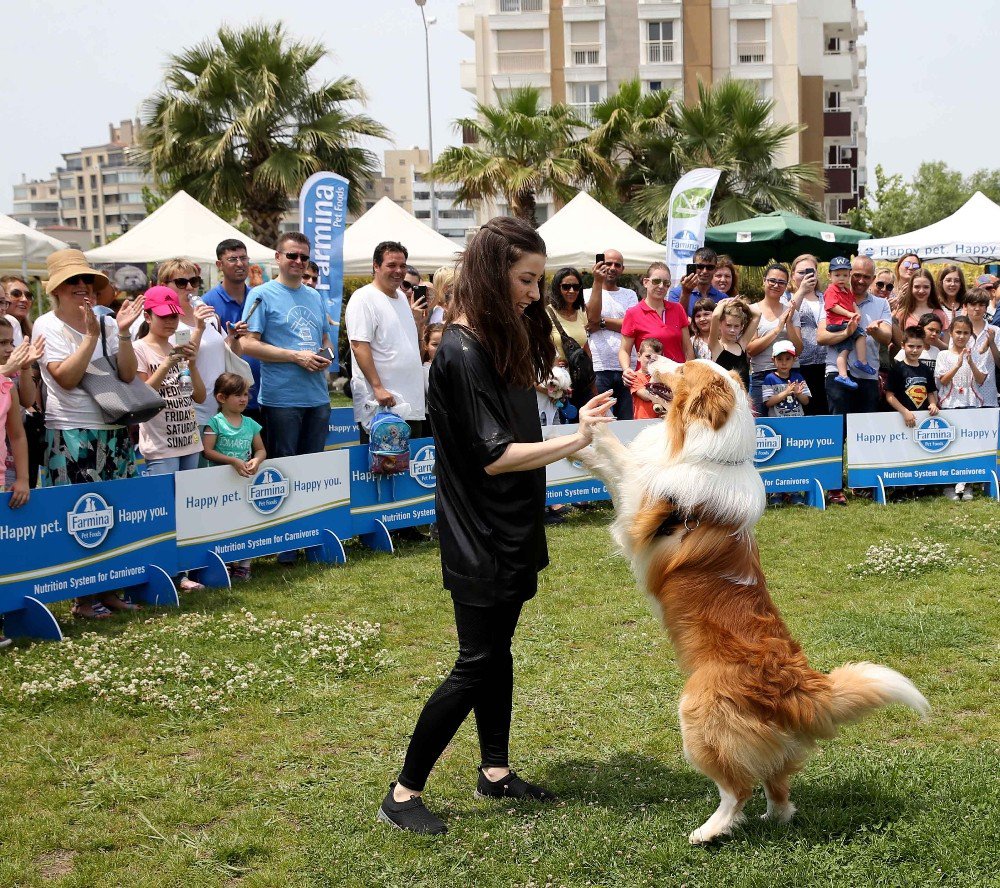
228	299
285	332
695	286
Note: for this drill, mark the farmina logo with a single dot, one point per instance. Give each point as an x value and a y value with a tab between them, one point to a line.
90	521
267	491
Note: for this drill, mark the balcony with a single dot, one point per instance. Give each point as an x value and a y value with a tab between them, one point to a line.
519	61
837	124
516	7
658	52
751	52
584	55
467	19
583	110
839	179
583	10
840	66
467	75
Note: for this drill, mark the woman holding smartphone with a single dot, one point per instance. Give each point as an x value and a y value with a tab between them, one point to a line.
490	503
812	357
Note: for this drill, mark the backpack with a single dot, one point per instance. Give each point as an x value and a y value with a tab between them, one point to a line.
388	447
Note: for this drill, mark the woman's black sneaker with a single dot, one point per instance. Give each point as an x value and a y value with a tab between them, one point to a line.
411	815
512	787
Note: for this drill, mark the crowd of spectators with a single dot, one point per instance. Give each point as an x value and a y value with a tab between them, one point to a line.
868	339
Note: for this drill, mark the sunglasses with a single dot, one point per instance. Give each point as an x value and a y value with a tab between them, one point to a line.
406	285
20	294
659	282
88	279
911	265
309	277
184	283
888	286
297	257
774	282
569	286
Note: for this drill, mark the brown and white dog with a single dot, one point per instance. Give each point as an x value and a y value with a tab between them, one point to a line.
687	497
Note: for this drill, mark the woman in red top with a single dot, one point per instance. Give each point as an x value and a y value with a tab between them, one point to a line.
655	317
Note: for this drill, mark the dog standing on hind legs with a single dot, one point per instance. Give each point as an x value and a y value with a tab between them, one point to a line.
687	497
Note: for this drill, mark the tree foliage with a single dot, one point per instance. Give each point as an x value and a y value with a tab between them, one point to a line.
240	123
521	150
934	192
637	147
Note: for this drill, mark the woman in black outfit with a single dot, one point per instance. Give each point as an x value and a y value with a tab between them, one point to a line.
490	502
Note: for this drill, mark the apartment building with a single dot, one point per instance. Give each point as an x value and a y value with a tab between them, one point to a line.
805	55
97	192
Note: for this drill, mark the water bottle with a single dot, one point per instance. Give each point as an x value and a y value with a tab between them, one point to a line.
185	386
195	299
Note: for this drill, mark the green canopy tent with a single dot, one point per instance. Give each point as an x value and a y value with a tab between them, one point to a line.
781	236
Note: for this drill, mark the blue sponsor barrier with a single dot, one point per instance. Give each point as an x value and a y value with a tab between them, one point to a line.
84	539
342	430
801	453
383	503
954	446
291	503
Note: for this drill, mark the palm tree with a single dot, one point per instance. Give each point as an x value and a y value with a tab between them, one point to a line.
521	150
730	129
625	125
239	124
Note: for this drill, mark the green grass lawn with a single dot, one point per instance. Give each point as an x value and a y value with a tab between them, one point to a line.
253	751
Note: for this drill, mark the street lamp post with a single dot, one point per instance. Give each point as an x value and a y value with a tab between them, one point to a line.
430	126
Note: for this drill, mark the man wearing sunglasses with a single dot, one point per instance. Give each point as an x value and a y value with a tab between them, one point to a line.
385	320
694	286
606	306
287	330
228	299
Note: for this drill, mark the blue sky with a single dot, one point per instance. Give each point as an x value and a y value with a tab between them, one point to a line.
72	66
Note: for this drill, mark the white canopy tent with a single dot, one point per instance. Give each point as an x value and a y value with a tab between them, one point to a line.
181	228
583	228
21	246
427	249
970	234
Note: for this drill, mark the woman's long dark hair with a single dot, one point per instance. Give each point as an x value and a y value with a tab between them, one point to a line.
555	290
520	345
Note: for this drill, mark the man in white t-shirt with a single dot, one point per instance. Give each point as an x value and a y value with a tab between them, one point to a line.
384	325
606	306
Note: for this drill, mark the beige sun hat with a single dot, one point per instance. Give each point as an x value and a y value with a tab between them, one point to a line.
64	264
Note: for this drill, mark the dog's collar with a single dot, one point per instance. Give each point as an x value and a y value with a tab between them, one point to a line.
675	521
724	462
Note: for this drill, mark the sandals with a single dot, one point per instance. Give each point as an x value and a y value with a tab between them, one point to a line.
95	611
115	602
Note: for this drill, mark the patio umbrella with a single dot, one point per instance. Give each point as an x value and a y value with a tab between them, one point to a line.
781	236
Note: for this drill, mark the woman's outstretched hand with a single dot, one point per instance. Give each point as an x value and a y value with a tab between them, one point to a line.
594	413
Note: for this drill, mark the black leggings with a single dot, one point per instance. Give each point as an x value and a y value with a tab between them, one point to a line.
482	680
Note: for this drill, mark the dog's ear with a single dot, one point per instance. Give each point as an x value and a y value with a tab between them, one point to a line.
738	378
711	400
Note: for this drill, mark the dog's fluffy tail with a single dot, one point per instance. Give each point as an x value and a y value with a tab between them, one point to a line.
858	688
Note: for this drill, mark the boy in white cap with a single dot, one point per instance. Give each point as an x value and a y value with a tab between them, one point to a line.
785	391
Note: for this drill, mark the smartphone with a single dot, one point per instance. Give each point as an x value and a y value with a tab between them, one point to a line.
326	353
692	268
182	337
420	291
600	258
809	273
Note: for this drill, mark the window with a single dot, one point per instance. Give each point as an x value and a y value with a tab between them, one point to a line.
658	47
655	86
421	195
402	180
751	42
520	51
93	183
832	101
402	161
423	214
520	5
833	46
585	96
79	183
132	197
585	43
68	203
131	177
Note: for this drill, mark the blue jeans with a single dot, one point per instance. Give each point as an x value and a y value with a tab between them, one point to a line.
842	400
757	392
292	431
168	465
612	379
